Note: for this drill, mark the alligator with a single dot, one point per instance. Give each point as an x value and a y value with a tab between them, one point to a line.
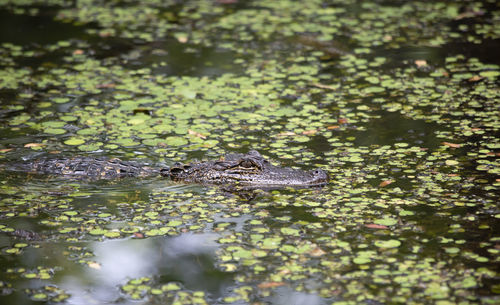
85	167
250	169
245	169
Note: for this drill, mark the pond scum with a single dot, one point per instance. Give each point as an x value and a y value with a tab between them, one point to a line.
398	101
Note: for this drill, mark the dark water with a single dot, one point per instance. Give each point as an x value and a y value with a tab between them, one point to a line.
448	230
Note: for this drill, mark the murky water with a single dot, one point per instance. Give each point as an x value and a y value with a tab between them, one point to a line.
404	118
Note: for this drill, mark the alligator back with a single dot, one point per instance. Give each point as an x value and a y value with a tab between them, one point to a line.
87	167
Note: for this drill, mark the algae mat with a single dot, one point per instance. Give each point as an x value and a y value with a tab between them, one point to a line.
398	101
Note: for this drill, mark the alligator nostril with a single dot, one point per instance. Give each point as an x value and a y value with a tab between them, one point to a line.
165	172
320	175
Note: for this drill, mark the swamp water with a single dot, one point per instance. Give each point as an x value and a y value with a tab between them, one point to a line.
399	101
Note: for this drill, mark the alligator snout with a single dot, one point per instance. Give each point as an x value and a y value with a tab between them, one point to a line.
319	176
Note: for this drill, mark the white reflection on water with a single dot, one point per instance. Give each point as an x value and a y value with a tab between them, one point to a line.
287	296
121	260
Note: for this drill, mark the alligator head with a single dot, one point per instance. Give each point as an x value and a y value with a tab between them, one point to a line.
250	169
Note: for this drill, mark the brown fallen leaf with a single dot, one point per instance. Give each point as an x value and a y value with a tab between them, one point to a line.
375	226
308	132
197	134
333	127
6	149
138	235
469	14
385	183
270	284
420	63
286	133
33	145
342	121
104	34
317	252
78	52
318	85
475	78
452	145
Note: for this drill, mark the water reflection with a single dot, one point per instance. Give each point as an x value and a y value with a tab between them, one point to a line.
41	28
174	58
400	129
186	259
288	296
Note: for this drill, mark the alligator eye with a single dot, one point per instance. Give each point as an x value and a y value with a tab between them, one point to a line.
176	170
318	173
246	164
